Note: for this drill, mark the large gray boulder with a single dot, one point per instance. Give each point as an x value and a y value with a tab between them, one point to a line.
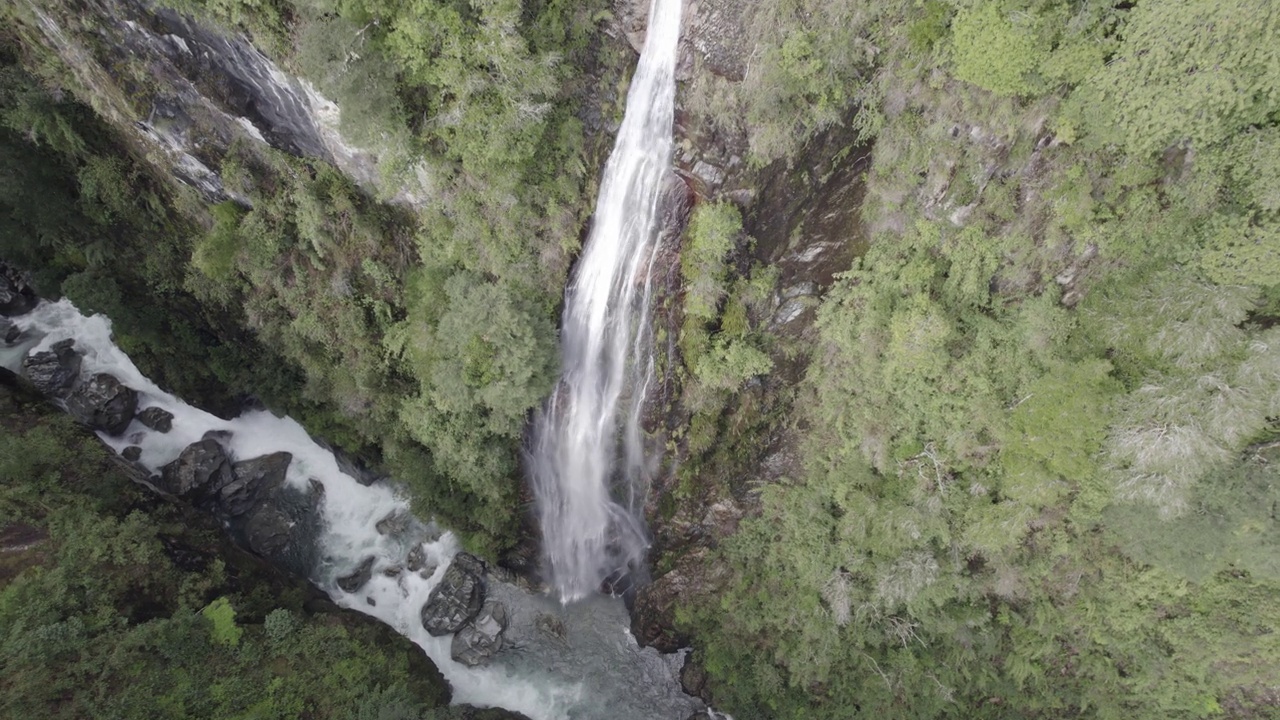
202	469
102	403
457	599
253	478
284	526
55	370
9	332
157	419
479	640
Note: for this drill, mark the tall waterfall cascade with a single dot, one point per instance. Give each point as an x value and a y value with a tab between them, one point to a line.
587	458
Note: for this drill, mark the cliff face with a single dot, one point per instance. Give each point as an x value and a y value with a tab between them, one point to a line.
191	91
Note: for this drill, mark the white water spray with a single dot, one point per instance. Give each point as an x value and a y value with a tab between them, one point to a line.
590	494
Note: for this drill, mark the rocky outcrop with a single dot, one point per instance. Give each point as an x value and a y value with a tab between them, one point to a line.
16	295
157	419
202	469
481	639
55	370
458	598
102	403
205	90
356	579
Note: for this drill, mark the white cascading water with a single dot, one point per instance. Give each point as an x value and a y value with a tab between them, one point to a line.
589	493
586	666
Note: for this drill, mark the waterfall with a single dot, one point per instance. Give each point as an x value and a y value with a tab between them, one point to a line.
589	490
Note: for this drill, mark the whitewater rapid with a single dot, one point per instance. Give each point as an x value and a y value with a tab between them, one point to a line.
590	668
588	461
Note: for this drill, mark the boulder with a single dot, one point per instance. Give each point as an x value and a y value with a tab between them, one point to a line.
266	531
16	296
357	578
102	403
396	522
157	419
55	370
252	478
133	453
457	599
284	526
9	332
203	468
221	436
479	640
419	562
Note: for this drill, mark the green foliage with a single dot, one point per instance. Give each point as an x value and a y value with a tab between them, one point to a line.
997	49
1032	482
98	620
215	254
931	26
713	232
1189	72
729	363
223	616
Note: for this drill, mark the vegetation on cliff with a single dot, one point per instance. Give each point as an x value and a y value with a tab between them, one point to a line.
418	337
1038	478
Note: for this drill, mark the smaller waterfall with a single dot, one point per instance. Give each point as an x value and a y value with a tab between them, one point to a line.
590	505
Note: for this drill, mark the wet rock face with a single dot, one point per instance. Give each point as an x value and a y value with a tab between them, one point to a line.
55	370
356	579
713	30
457	599
481	639
674	206
242	81
102	403
202	468
653	615
157	419
252	479
16	296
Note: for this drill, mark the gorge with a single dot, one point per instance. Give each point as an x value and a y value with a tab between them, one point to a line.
630	358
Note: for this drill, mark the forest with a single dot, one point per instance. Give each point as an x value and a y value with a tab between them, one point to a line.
1035	419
